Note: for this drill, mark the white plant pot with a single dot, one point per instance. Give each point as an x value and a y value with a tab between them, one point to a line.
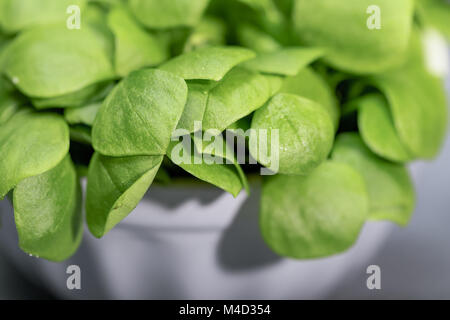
192	243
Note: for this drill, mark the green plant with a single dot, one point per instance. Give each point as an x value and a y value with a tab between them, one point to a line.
352	104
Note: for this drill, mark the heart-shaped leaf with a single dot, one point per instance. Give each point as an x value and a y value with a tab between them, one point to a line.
419	109
31	144
417	102
47	210
390	188
316	215
350	32
115	187
304	129
140	114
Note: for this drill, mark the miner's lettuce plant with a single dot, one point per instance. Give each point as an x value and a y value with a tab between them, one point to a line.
345	87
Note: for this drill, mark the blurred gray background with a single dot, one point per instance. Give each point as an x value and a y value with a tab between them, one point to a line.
414	262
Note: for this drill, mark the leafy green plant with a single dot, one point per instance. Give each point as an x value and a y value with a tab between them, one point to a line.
351	100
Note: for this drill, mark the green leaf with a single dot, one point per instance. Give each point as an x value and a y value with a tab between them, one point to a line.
92	93
224	176
391	191
343	30
377	128
47	210
159	14
31	144
316	215
135	47
309	84
16	15
418	105
51	61
211	63
286	61
417	102
304	129
140	114
240	93
115	187
83	115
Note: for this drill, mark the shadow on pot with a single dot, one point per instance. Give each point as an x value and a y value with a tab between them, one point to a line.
241	247
179	196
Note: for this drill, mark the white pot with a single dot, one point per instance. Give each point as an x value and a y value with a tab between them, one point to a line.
192	243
